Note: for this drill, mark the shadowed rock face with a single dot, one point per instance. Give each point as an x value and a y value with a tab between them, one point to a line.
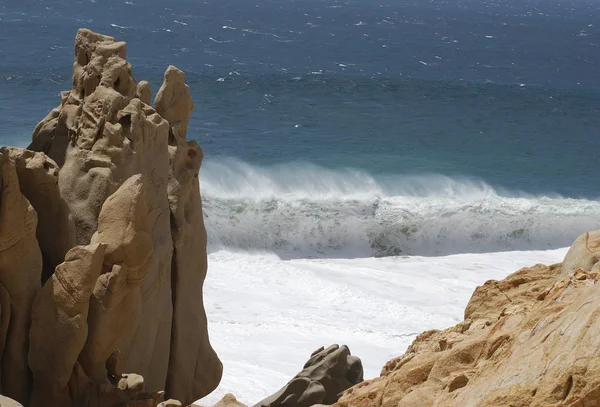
326	375
103	246
531	339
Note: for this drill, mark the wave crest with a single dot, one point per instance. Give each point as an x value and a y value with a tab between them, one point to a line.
302	210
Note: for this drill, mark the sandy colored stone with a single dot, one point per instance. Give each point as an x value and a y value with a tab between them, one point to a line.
531	339
143	92
116	302
59	324
115	187
113	136
6	402
20	276
194	368
326	375
38	180
584	254
229	400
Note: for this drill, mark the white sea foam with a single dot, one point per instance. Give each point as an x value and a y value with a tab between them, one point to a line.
267	315
302	210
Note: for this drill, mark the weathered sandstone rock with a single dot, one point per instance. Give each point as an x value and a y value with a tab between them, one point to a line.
38	180
59	325
20	275
229	400
103	210
584	254
324	378
189	357
531	339
6	402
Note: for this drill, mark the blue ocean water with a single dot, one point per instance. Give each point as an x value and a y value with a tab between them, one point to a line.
375	127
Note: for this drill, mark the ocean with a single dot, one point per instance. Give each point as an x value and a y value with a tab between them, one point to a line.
367	163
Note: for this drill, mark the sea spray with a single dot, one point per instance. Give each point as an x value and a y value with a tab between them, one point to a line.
303	210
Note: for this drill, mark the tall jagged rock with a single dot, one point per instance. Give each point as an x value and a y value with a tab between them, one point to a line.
192	356
116	303
531	339
116	209
60	325
20	274
112	136
38	181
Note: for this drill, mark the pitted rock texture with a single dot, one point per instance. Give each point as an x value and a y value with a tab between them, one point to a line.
103	246
531	339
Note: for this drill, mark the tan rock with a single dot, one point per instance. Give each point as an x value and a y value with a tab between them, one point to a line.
116	303
20	280
6	402
143	92
193	359
584	254
59	324
38	180
529	340
229	400
112	136
115	185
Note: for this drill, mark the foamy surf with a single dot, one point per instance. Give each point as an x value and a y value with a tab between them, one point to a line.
301	210
267	315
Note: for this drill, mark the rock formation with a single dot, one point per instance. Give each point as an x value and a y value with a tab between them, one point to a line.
324	378
103	246
531	339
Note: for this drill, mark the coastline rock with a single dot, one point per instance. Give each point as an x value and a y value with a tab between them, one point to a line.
531	339
584	254
193	359
326	375
38	180
229	400
6	402
103	246
59	325
20	274
116	300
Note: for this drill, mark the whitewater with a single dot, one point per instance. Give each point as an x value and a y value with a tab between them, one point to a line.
301	257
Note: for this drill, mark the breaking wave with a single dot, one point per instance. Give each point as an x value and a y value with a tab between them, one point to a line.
303	210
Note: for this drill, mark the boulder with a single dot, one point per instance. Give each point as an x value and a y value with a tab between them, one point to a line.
229	400
584	254
326	375
6	402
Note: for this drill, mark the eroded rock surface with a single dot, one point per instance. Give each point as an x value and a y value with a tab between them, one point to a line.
324	378
531	339
20	280
103	246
